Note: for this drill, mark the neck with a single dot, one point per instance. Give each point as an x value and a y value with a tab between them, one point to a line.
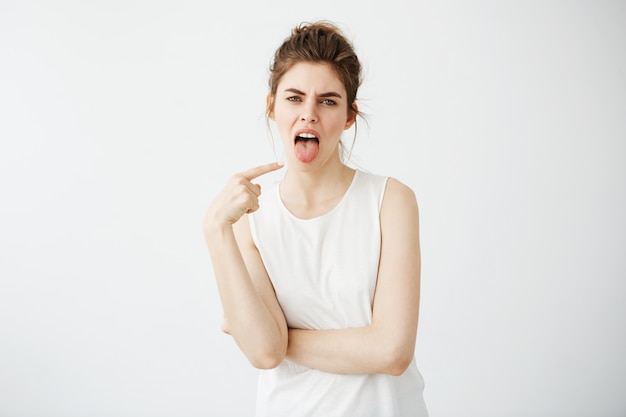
310	189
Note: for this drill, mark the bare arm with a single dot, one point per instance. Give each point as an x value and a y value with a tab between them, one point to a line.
388	344
254	316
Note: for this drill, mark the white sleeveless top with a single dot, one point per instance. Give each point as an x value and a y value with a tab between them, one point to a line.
324	273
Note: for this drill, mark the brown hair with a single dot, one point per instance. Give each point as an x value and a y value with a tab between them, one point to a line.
321	41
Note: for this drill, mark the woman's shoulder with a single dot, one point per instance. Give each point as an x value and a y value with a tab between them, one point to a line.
393	186
396	186
394	195
399	197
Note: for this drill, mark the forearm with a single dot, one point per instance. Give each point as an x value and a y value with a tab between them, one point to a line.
363	350
255	330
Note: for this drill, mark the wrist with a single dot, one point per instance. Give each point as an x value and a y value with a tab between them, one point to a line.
215	231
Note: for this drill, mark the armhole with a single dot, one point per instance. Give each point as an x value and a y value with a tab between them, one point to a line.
382	192
252	226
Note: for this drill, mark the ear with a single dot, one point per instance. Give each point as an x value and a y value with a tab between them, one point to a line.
269	106
352	113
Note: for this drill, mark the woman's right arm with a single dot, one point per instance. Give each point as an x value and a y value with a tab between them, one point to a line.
255	319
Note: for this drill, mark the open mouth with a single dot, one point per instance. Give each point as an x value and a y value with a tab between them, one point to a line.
307	146
306	137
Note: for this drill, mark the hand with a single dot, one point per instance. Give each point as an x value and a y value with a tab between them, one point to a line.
240	196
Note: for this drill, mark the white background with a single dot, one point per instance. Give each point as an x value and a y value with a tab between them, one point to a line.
119	120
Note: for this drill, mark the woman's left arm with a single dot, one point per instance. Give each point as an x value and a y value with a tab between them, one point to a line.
388	344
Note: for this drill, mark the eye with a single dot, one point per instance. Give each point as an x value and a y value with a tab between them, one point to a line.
293	98
329	102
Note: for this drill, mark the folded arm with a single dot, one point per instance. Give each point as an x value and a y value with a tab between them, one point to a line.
254	317
388	344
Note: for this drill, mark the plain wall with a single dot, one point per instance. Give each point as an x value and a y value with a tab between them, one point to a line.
119	120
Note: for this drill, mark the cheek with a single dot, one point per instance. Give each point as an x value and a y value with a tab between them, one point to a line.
283	126
282	116
339	121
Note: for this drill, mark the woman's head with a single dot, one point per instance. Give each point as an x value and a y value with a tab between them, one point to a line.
320	42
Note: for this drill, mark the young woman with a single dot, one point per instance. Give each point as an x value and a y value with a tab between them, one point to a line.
319	276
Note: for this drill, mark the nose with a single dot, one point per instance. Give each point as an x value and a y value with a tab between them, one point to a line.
309	113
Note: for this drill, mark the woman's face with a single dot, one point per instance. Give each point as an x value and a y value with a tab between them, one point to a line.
311	112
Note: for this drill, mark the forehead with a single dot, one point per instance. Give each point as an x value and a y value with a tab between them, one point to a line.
306	76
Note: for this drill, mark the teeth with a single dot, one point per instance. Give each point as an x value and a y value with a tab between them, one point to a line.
307	135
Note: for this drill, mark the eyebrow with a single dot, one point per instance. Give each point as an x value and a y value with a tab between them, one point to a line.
323	95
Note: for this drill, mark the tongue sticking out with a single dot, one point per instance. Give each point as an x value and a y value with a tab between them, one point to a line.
306	149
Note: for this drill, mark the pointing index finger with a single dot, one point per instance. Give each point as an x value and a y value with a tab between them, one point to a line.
252	173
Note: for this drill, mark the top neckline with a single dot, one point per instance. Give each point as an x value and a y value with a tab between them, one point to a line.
323	215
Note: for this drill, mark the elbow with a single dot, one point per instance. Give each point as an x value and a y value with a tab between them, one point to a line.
398	367
262	352
398	360
266	360
269	362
